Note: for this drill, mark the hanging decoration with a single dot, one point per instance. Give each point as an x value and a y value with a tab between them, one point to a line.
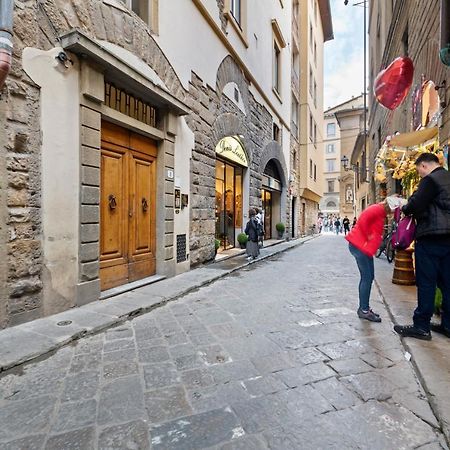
392	84
399	161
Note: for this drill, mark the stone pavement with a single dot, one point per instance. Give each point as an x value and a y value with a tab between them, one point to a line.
430	358
31	340
268	357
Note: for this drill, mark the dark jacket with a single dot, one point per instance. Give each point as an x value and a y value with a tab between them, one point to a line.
430	205
251	230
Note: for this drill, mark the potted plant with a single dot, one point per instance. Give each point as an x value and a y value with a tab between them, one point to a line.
216	245
242	239
280	228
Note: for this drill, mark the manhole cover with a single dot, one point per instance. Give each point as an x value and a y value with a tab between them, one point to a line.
64	323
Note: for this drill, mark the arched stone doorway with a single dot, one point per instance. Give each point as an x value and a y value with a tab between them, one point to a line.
274	189
271	194
231	168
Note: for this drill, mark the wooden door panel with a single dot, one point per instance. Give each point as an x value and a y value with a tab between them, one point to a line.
112	205
127	230
142	183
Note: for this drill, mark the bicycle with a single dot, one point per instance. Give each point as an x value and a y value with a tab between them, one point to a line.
386	244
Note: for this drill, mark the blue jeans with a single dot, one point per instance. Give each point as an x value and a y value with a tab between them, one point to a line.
432	269
367	272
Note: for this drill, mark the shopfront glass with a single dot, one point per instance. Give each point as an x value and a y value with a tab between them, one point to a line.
267	210
228	203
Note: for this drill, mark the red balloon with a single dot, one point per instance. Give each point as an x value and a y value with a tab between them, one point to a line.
392	84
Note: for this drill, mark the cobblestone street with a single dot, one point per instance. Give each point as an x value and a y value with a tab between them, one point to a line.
270	357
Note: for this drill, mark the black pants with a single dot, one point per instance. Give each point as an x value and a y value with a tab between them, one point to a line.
432	269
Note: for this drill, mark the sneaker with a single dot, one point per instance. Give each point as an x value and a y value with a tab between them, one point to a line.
412	331
438	328
369	315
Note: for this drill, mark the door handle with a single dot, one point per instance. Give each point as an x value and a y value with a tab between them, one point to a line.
112	202
144	204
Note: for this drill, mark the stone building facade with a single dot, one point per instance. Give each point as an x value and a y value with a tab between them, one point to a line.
401	28
71	133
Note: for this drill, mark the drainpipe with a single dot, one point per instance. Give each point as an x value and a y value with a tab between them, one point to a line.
6	33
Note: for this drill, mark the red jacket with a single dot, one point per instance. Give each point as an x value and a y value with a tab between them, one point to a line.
367	234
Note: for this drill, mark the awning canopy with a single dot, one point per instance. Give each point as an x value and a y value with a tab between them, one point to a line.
414	138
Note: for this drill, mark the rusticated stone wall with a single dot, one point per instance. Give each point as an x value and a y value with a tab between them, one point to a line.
38	25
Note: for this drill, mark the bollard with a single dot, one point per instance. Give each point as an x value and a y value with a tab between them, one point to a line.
404	268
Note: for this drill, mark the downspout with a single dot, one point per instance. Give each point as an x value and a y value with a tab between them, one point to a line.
6	33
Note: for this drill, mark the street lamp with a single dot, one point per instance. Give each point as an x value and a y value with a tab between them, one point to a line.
344	163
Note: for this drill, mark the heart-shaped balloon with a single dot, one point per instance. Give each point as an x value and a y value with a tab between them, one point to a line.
392	84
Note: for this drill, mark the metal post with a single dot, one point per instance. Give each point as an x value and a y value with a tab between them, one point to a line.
6	46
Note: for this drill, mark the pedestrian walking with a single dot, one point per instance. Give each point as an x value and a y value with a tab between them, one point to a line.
364	240
260	223
337	225
346	225
251	230
319	224
430	206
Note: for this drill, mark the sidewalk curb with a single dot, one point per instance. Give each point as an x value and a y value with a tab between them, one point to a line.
444	428
39	339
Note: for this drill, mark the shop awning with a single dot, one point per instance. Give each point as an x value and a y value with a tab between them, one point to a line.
414	138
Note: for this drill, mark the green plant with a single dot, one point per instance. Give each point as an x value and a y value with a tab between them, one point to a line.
438	302
217	244
280	227
242	238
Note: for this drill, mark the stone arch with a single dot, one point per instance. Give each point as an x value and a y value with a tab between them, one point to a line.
228	124
273	151
229	71
114	23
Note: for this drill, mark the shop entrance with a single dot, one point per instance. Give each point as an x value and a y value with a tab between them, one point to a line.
127	206
228	203
267	210
271	199
230	163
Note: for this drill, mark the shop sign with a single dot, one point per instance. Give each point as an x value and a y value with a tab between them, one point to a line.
231	148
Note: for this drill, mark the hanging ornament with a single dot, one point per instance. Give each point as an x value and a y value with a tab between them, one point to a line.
392	84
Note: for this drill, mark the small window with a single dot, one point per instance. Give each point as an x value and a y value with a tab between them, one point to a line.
236	11
310	168
331	204
331	165
330	148
276	67
315	172
315	133
147	10
311	37
294	115
315	93
315	53
311	127
330	185
331	129
276	134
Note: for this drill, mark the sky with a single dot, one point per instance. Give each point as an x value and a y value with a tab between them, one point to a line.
344	56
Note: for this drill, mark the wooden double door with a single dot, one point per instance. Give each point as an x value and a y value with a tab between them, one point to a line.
127	206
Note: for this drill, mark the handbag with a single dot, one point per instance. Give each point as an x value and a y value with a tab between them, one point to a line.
404	234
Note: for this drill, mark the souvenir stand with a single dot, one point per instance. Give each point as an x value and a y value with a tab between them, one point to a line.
396	159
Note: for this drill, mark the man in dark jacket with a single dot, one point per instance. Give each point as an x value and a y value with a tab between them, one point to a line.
430	206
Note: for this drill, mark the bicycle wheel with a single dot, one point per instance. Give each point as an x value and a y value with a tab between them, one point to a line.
390	252
381	249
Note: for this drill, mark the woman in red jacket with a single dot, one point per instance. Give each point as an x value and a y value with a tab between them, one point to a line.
364	240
